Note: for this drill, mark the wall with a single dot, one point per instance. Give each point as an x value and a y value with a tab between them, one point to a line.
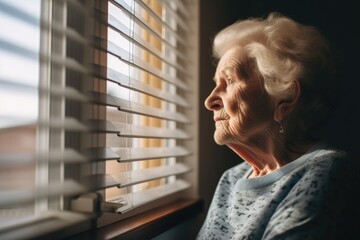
335	18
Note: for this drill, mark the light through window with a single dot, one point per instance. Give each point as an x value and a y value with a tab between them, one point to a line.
19	101
142	47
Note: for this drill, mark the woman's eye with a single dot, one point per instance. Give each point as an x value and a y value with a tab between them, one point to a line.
230	81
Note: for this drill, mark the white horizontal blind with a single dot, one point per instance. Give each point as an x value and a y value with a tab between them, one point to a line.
109	108
44	68
145	100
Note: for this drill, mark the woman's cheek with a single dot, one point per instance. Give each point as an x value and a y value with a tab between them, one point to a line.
235	128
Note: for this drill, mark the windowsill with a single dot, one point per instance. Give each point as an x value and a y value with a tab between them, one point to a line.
148	224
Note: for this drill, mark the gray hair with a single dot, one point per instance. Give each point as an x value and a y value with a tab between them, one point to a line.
285	51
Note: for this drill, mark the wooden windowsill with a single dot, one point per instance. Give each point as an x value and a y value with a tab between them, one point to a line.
148	224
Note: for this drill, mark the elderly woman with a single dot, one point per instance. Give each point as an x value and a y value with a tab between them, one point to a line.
273	91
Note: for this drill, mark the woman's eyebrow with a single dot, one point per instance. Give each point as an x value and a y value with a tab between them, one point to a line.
240	70
225	71
228	70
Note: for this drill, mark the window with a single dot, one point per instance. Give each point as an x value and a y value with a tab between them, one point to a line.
18	88
145	91
99	108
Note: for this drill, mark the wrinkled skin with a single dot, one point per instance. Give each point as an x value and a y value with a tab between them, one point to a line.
243	111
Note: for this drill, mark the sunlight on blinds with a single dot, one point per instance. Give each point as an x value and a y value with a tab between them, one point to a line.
148	100
142	50
113	114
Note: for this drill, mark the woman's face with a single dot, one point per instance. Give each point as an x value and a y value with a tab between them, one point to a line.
242	108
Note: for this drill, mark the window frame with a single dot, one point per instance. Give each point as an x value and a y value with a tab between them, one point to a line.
84	222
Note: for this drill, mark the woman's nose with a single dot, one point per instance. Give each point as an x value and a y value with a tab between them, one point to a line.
213	101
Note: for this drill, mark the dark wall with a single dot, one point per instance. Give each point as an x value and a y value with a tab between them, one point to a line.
337	19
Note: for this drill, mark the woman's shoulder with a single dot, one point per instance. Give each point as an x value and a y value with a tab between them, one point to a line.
328	169
327	159
321	156
327	152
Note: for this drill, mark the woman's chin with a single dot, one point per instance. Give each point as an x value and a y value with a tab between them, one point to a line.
220	139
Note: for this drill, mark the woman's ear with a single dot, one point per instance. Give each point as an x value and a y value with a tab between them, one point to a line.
285	106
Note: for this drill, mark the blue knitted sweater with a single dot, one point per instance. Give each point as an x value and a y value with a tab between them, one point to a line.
302	200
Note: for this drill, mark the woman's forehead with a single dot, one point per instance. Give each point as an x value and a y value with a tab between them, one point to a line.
231	59
230	63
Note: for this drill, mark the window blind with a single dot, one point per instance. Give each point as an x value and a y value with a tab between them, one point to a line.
37	73
144	89
110	112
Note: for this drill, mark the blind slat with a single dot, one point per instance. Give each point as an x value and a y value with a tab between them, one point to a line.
152	194
121	129
127	154
53	156
102	154
67	124
126	106
99	181
149	132
21	196
145	175
136	154
126	179
68	93
71	156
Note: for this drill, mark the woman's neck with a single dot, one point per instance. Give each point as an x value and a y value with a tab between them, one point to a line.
271	155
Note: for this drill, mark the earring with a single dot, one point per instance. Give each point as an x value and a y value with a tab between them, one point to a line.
281	128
